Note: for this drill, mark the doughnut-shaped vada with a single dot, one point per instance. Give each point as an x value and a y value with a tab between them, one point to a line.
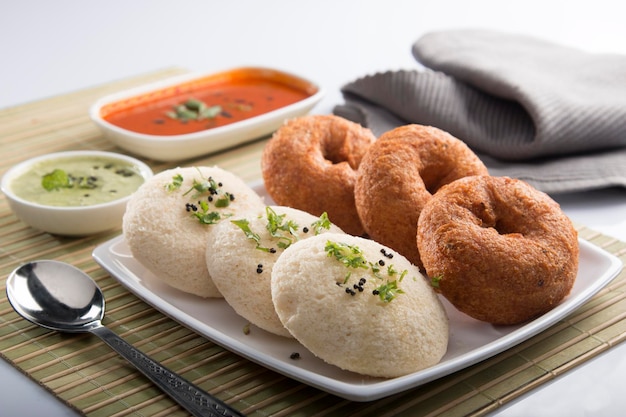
498	249
398	176
310	164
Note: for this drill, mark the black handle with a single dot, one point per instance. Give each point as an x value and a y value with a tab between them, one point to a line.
195	400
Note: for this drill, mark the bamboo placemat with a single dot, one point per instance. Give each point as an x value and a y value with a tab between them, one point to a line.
88	376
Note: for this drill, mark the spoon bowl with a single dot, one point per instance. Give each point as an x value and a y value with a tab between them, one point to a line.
38	293
61	297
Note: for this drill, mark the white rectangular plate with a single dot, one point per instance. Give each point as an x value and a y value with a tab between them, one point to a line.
470	341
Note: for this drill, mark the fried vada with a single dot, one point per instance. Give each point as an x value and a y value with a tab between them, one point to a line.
498	249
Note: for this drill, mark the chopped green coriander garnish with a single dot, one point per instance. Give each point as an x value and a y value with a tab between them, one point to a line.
205	216
193	109
323	223
244	225
58	179
434	281
350	256
177	182
276	224
402	275
376	270
223	201
55	180
211	192
388	291
284	231
201	187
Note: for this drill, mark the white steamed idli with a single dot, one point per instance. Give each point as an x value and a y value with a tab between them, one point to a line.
357	305
166	226
241	252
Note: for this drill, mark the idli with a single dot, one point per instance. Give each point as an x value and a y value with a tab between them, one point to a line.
168	219
241	252
356	304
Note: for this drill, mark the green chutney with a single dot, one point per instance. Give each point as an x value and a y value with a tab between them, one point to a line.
77	181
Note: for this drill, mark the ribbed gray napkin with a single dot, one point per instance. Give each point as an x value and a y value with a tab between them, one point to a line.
551	115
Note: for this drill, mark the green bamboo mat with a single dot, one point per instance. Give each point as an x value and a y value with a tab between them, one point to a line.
85	374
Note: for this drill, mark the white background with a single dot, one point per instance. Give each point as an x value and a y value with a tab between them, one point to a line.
54	47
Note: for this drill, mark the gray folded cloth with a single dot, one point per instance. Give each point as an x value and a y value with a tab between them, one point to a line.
551	115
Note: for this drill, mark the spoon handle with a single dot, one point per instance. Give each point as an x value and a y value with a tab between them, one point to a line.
188	395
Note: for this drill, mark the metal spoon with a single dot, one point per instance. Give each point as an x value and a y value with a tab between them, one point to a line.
61	297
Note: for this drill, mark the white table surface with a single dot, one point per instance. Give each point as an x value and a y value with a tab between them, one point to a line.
54	47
